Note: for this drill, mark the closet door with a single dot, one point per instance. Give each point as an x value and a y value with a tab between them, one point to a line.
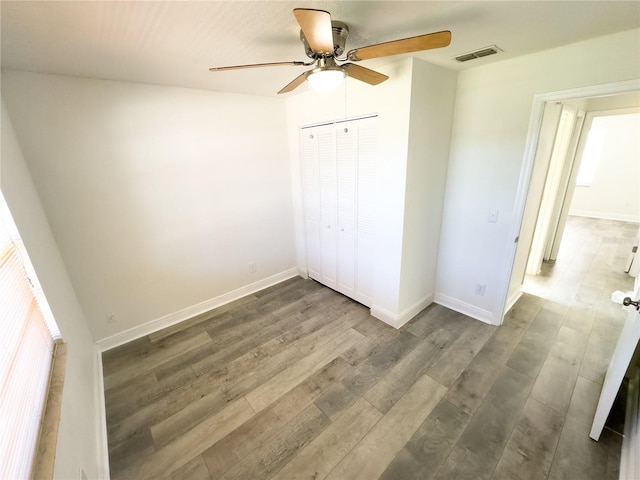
339	183
346	207
311	200
328	206
365	208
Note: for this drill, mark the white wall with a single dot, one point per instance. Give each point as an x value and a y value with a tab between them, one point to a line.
614	192
493	107
79	446
158	197
431	117
612	102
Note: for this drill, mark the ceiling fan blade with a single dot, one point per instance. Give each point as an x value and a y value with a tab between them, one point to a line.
255	65
405	45
316	26
299	80
364	74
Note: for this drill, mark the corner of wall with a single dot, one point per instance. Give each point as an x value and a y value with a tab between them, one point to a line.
433	91
138	331
78	448
466	309
400	319
102	452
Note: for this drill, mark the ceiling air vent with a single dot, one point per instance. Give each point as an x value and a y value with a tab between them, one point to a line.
483	52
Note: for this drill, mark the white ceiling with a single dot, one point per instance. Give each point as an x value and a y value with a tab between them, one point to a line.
174	43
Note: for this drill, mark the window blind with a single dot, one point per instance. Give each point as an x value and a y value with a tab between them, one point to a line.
26	350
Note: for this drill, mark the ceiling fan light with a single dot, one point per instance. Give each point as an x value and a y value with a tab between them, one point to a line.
325	80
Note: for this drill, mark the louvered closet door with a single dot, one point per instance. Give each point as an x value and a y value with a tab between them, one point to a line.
365	208
338	171
346	207
311	199
328	206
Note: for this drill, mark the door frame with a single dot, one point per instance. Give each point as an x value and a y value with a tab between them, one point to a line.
552	190
505	300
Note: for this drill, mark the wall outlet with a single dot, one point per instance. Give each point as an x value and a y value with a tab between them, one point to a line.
253	267
479	289
493	216
112	318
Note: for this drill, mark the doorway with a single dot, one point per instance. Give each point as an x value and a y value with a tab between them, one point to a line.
534	174
601	198
559	165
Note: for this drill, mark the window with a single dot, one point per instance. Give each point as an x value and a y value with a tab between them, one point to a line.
26	351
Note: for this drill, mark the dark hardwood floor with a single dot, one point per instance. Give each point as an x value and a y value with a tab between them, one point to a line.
299	382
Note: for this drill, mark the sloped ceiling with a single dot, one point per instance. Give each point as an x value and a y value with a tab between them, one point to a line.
174	43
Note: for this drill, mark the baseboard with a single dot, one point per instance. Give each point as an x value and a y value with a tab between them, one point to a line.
513	298
605	216
384	315
414	309
464	308
185	314
398	320
103	442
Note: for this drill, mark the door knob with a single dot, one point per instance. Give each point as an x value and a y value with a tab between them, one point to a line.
627	301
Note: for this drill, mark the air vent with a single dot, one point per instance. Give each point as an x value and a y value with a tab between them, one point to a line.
483	52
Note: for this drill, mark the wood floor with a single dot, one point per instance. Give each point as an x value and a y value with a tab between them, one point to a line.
299	382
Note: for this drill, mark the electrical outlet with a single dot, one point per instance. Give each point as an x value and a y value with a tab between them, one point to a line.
253	267
479	289
493	216
112	318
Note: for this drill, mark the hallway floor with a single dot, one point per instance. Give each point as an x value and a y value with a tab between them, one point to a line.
590	265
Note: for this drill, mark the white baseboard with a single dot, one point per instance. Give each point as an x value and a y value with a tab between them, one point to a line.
408	313
465	308
103	442
384	315
185	314
513	298
605	216
398	320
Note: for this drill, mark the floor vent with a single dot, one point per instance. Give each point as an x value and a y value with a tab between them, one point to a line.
483	52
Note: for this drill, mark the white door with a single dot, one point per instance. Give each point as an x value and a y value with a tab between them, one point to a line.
366	218
622	356
328	206
346	203
311	200
565	192
338	177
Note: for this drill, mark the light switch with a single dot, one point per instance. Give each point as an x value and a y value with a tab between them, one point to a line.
493	216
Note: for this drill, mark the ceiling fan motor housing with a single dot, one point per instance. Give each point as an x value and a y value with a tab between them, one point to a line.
340	33
325	52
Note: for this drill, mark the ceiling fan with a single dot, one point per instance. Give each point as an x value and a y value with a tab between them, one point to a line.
324	42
